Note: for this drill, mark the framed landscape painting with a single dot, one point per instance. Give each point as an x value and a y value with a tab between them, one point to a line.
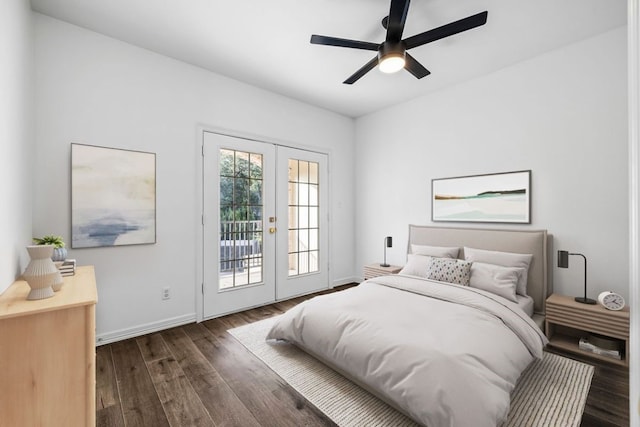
113	197
501	197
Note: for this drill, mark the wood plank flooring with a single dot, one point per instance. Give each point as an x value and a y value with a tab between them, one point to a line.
199	375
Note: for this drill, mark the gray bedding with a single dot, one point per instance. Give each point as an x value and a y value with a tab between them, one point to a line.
445	355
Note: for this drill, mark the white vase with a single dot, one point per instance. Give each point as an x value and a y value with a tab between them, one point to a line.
58	280
40	274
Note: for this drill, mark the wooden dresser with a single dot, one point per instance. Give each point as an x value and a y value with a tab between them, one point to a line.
47	355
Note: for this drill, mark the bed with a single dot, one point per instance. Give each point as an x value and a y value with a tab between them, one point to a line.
444	354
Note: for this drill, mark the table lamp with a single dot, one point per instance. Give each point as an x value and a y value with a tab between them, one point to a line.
388	242
563	262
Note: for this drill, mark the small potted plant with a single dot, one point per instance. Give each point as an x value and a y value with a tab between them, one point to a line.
59	251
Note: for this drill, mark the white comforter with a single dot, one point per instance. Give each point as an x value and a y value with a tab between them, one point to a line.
446	355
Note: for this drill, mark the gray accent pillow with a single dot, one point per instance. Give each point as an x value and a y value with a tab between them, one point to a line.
496	279
417	265
504	259
435	251
450	270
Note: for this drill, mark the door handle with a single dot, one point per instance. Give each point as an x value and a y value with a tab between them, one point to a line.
272	230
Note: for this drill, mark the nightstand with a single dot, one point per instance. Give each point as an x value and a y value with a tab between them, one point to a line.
567	321
375	270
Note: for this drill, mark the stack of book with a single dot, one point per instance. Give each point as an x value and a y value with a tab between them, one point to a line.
614	353
68	267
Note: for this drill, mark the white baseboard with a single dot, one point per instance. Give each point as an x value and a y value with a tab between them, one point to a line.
143	329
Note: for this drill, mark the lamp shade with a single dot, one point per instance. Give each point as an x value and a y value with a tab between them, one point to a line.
563	259
389	241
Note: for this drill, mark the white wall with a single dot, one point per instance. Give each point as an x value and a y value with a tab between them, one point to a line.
563	115
16	137
96	90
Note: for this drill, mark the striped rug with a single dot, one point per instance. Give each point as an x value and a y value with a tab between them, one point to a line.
550	392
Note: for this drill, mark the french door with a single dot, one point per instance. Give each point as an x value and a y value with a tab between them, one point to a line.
302	256
265	223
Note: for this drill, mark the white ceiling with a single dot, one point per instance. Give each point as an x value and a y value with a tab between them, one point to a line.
266	43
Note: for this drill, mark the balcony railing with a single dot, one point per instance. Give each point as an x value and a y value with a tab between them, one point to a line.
240	244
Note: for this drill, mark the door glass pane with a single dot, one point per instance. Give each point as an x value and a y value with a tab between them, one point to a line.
293	241
313	195
255	192
303	240
226	162
226	190
313	261
242	164
240	191
293	170
293	217
303	262
304	171
293	194
313	172
303	217
293	264
241	199
313	239
313	217
255	216
255	166
303	194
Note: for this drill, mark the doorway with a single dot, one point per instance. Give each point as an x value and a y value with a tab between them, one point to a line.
265	223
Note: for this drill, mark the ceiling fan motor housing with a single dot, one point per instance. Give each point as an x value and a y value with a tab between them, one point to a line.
387	49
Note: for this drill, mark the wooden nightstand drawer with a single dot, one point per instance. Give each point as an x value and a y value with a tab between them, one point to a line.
567	321
375	270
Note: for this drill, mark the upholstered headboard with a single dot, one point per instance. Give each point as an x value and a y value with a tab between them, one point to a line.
533	242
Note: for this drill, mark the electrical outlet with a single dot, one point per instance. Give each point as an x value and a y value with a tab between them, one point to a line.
166	293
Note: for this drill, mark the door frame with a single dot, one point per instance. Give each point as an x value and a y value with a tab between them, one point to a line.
633	77
199	187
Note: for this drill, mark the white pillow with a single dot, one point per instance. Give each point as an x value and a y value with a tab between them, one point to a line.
417	265
496	279
504	259
435	251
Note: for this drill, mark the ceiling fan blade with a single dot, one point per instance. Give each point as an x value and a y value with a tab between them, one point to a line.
334	41
362	71
397	17
447	30
414	67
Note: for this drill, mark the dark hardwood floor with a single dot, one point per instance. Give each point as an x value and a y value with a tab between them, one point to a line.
199	375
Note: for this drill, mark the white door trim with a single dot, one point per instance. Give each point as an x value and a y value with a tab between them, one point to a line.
199	188
633	61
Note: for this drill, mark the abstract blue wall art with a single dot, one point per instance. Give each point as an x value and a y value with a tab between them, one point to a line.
499	197
113	197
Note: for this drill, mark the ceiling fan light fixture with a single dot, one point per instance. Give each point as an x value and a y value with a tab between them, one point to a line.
391	57
391	63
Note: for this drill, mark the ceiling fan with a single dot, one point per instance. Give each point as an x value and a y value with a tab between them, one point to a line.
392	52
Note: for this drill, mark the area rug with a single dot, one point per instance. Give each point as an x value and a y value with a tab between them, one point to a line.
550	392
